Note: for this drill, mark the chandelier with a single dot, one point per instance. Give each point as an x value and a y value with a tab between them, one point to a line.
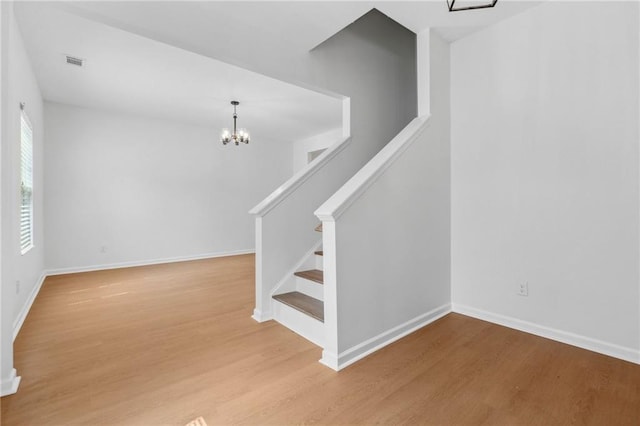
238	135
470	5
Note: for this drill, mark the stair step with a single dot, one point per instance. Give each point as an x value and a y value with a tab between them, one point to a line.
312	274
320	253
303	303
319	227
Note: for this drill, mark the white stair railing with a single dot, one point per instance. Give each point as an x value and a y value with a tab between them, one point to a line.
284	221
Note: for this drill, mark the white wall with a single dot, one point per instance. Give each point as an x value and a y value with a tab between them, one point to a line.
302	148
545	173
148	190
6	295
18	85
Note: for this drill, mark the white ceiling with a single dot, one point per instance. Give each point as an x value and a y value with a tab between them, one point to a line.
418	15
162	58
129	73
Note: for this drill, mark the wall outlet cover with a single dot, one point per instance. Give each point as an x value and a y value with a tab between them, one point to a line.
523	289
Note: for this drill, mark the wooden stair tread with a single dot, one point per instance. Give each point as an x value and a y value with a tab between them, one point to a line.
303	303
312	274
319	227
320	253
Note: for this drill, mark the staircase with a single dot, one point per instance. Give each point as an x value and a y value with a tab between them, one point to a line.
302	310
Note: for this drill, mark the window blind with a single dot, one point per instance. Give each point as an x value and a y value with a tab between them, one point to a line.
26	184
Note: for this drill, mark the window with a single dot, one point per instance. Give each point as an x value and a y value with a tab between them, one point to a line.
26	184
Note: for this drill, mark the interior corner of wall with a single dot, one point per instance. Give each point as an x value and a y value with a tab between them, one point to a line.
330	359
423	53
346	117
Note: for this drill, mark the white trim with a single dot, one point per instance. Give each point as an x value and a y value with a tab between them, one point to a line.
258	313
366	176
289	275
330	287
10	385
266	315
584	342
329	359
260	316
356	353
287	188
17	323
299	322
131	264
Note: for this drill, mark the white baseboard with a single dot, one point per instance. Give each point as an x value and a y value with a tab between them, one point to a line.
131	264
605	348
329	359
260	316
369	346
17	323
9	386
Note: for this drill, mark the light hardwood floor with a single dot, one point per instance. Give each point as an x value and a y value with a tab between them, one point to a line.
165	344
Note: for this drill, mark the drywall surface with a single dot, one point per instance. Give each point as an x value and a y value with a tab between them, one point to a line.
20	273
125	189
302	148
392	243
545	170
6	293
23	87
373	62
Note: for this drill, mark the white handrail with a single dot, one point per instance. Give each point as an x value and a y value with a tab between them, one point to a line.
287	188
366	176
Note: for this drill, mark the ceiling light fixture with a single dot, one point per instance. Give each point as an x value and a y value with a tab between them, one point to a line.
470	5
241	135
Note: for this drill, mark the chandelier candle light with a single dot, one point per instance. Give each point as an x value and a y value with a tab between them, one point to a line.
238	135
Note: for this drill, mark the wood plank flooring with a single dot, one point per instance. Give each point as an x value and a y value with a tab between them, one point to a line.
166	344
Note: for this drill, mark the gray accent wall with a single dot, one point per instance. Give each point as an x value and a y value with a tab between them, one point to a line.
372	61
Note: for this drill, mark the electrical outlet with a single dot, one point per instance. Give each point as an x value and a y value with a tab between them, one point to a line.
18	287
523	289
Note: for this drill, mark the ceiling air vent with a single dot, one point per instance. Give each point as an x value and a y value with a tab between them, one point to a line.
75	61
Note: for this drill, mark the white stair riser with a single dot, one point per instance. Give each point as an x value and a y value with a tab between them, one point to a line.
300	323
310	288
319	262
